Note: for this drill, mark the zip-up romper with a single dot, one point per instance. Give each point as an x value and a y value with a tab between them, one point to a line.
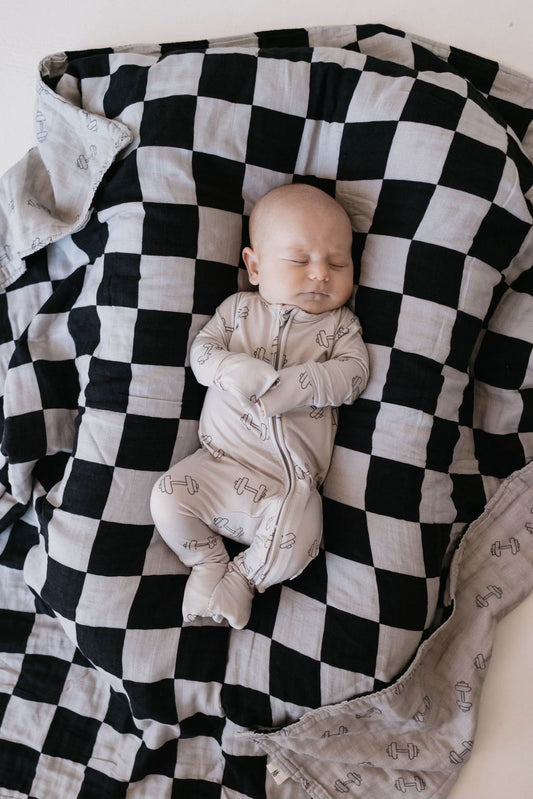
275	375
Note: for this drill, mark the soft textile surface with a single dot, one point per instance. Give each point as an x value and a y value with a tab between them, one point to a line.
120	233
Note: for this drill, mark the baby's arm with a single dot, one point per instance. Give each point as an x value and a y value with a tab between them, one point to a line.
245	377
335	382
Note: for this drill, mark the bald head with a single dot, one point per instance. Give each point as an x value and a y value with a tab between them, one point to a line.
273	206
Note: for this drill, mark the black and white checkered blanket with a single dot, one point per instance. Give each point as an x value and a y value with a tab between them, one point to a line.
119	235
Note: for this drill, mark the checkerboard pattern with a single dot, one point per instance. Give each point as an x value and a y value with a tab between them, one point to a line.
103	691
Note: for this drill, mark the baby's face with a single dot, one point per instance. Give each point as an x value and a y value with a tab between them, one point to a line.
303	256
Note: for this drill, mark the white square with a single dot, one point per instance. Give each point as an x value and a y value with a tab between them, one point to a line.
178	71
22	393
52	779
85	692
496	410
166	284
395	649
352	586
220	115
59	424
248	661
49	338
451	394
425	328
106	601
510	316
338	685
219	236
28	722
436	505
99	436
199	758
383	263
477	286
105	756
298	613
452	219
282	85
165	175
511	197
346	478
71	540
396	545
137	654
378	98
257	181
125	227
418	152
192	695
319	149
128	501
24	304
131	116
476	123
359	199
156	390
409	446
117	332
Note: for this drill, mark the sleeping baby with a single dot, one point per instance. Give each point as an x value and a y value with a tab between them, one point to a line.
277	362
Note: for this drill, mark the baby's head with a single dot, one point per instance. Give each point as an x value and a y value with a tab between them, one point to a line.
301	249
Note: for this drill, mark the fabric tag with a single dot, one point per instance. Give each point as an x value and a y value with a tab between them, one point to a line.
277	772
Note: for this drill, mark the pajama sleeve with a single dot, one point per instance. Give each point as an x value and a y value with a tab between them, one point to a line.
337	381
243	376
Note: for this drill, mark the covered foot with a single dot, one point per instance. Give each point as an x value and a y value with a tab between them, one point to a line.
232	598
201	583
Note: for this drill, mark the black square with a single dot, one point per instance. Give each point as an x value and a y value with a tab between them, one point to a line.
228	76
218	182
202	654
92	238
330	91
15	629
283	37
265	609
119	549
468	496
71	736
62	589
473	167
24	437
155	701
346	532
294	678
480	71
435	541
464	336
394	489
84	327
350	642
213	282
150	761
243	776
6	334
95	783
414	381
119	285
401	207
21	539
364	150
108	386
246	706
202	724
434	273
502	361
378	312
517	117
102	646
499	238
441	445
157	603
274	139
430	104
526	419
58	381
87	488
403	600
170	230
193	396
147	443
357	423
498	455
119	185
42	678
126	86
313	581
118	714
161	338
169	122
19	766
90	63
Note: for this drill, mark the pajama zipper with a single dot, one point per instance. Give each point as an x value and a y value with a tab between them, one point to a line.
277	437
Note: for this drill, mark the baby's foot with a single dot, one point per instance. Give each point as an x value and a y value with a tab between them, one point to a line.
232	598
200	585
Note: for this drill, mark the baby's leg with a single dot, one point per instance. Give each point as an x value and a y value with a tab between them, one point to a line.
196	545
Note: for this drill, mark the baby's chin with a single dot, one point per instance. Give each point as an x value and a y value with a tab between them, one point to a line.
316	303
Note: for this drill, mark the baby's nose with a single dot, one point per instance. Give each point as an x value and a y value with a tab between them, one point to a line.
319	270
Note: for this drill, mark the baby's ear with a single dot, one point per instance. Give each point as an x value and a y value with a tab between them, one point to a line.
252	265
